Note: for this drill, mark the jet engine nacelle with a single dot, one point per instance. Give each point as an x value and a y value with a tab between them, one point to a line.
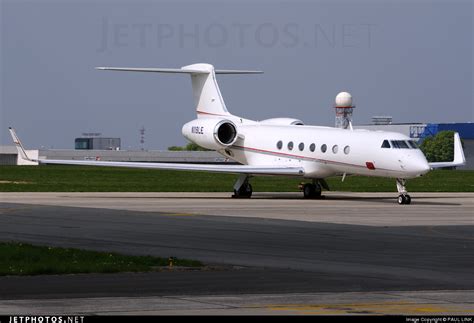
283	122
210	133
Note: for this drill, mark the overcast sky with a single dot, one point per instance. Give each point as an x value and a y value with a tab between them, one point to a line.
412	60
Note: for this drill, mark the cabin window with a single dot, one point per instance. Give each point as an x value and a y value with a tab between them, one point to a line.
301	146
290	145
280	144
335	148
312	147
347	150
386	144
324	148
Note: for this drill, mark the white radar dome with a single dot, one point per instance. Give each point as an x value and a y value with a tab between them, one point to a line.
344	100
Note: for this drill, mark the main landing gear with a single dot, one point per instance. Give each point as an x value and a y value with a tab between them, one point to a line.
242	188
313	190
403	197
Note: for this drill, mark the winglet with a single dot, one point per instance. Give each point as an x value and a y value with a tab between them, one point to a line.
21	150
459	158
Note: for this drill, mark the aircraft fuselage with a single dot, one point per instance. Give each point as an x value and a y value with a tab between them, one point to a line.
325	151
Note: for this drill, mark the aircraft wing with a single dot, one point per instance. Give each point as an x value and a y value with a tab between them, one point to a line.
459	158
235	169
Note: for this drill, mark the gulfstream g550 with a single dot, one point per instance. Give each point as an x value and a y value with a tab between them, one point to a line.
281	146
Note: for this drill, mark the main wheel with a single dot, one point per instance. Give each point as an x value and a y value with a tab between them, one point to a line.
407	199
307	191
401	199
311	191
245	191
317	190
248	190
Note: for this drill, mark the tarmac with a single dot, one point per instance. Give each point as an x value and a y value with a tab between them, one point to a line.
353	253
371	209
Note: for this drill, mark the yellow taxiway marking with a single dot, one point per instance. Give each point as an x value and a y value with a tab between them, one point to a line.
372	308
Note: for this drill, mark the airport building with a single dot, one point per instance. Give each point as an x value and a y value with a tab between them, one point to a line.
419	131
94	141
9	156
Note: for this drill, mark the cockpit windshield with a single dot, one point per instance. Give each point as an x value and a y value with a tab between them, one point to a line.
412	144
399	144
386	144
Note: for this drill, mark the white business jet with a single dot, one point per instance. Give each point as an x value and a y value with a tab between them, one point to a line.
281	146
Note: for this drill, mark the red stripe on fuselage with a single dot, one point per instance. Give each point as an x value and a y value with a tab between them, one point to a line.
303	157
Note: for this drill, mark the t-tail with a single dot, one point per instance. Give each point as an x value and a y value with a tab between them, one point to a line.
207	96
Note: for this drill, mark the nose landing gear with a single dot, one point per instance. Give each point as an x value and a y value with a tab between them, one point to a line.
403	197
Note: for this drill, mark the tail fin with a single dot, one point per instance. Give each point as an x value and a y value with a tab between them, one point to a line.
207	96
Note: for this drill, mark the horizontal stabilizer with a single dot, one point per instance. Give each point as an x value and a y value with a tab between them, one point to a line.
152	70
206	94
175	70
237	72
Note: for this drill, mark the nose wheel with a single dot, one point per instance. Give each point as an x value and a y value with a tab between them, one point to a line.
403	197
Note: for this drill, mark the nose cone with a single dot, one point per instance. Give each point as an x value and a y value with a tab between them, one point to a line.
419	167
424	168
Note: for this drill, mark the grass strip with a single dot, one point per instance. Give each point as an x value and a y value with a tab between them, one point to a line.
59	178
18	258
